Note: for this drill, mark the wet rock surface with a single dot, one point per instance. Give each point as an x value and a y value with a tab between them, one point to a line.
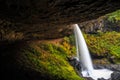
114	67
115	76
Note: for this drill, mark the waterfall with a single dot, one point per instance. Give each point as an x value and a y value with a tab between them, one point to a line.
82	48
84	57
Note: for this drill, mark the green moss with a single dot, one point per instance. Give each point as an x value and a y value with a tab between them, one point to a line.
104	44
101	44
114	15
49	59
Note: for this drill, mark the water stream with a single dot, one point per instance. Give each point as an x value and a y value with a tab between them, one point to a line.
83	56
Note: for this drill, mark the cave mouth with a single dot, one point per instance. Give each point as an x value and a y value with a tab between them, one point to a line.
26	24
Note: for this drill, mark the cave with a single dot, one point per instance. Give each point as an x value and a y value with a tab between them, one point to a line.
23	22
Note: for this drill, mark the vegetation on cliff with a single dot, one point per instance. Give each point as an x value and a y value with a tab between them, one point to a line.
114	15
104	44
46	60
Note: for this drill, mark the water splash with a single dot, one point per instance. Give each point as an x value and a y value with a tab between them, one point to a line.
85	59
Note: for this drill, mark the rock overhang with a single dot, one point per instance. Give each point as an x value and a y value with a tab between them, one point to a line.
45	19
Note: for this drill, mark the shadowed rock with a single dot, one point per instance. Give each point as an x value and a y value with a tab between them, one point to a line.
37	19
115	76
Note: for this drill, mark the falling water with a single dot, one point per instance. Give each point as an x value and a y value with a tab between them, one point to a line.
82	48
85	59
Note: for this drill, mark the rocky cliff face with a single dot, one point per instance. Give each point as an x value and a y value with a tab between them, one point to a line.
38	19
101	24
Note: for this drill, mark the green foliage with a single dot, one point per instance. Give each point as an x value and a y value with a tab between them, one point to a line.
49	59
68	44
53	49
114	16
70	39
103	44
100	44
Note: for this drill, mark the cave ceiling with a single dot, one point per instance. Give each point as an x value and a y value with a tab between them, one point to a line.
46	19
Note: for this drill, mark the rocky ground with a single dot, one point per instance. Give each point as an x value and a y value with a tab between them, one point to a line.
114	67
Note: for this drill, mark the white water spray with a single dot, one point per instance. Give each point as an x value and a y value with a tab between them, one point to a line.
85	59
